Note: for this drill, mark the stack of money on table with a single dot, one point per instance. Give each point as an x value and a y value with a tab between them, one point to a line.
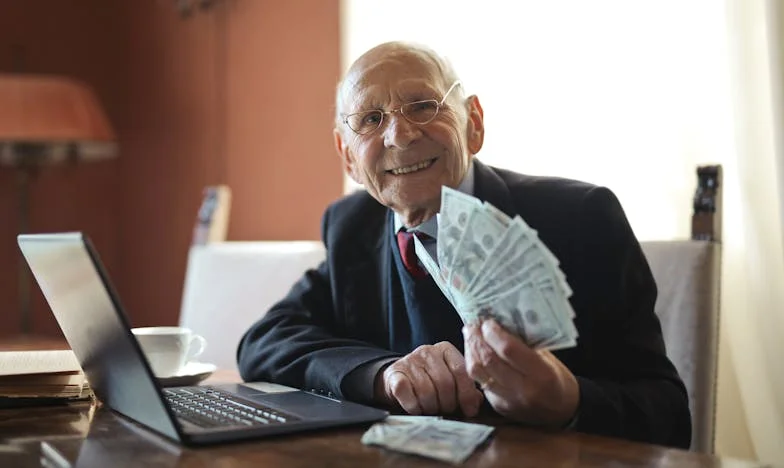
428	436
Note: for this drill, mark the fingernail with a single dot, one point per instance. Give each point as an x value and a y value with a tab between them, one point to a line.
488	327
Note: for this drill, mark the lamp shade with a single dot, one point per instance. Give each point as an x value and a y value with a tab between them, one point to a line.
50	119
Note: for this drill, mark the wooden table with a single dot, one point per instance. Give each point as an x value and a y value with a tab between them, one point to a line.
86	435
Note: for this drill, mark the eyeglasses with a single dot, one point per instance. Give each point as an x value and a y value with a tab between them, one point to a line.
417	112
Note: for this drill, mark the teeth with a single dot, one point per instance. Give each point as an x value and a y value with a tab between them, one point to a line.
415	167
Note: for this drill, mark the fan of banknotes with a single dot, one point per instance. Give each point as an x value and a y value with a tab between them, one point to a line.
491	265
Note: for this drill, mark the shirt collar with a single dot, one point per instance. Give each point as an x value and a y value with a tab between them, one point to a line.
430	227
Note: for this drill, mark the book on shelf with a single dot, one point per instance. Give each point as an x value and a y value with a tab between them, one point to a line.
30	378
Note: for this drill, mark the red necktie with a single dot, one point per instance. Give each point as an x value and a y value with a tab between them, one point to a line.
405	241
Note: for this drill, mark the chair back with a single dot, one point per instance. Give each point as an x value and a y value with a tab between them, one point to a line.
230	285
687	276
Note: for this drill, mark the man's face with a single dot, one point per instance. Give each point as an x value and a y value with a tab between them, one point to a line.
402	164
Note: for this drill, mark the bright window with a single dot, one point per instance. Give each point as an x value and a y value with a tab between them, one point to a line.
632	95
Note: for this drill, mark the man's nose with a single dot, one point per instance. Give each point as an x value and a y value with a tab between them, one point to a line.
399	132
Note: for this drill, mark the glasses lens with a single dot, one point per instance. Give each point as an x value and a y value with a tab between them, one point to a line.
420	112
365	122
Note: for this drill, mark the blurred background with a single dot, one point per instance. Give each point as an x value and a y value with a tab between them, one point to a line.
633	95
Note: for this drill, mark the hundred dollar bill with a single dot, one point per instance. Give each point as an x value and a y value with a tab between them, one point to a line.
499	215
437	274
456	209
480	238
521	264
564	312
517	240
440	439
507	272
491	265
514	240
514	274
525	312
532	295
392	428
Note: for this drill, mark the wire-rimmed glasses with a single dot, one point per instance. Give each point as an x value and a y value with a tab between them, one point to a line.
417	112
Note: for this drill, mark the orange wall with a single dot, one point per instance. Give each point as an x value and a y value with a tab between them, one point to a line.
283	65
79	39
241	94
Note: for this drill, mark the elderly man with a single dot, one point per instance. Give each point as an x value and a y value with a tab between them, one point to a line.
365	326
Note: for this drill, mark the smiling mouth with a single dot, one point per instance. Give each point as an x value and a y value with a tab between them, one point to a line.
413	168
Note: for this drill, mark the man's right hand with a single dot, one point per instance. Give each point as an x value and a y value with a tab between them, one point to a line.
432	379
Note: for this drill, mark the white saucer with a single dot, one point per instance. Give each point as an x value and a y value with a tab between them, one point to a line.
191	374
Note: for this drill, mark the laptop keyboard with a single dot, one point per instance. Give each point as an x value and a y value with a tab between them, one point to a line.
209	407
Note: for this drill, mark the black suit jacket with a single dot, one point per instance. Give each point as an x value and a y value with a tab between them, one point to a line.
335	318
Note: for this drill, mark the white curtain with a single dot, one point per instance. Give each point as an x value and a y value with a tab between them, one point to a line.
753	277
634	95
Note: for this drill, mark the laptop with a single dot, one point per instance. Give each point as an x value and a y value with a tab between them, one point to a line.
88	310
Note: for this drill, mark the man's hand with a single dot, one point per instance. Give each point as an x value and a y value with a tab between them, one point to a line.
527	385
432	379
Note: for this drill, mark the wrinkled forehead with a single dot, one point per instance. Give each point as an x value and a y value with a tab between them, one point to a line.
373	82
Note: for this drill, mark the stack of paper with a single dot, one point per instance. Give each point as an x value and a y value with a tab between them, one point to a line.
30	377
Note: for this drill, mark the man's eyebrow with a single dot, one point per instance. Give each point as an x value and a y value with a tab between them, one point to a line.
362	101
410	90
417	90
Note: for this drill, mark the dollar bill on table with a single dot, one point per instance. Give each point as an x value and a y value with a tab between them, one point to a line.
428	436
489	265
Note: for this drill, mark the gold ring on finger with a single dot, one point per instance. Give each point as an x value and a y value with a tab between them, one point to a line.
484	385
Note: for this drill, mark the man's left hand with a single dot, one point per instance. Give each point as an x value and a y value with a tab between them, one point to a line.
521	383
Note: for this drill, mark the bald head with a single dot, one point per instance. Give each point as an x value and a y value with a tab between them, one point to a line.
412	131
430	63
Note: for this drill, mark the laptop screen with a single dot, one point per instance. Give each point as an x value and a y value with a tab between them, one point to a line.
77	288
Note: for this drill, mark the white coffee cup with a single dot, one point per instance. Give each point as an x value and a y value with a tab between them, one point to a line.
168	349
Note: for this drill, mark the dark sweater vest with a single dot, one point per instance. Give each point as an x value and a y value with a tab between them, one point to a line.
418	312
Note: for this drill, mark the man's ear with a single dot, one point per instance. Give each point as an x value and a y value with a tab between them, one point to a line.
476	125
345	155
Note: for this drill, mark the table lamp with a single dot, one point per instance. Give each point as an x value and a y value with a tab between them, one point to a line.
47	121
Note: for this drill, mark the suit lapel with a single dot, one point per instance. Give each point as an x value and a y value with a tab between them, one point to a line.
366	299
489	187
